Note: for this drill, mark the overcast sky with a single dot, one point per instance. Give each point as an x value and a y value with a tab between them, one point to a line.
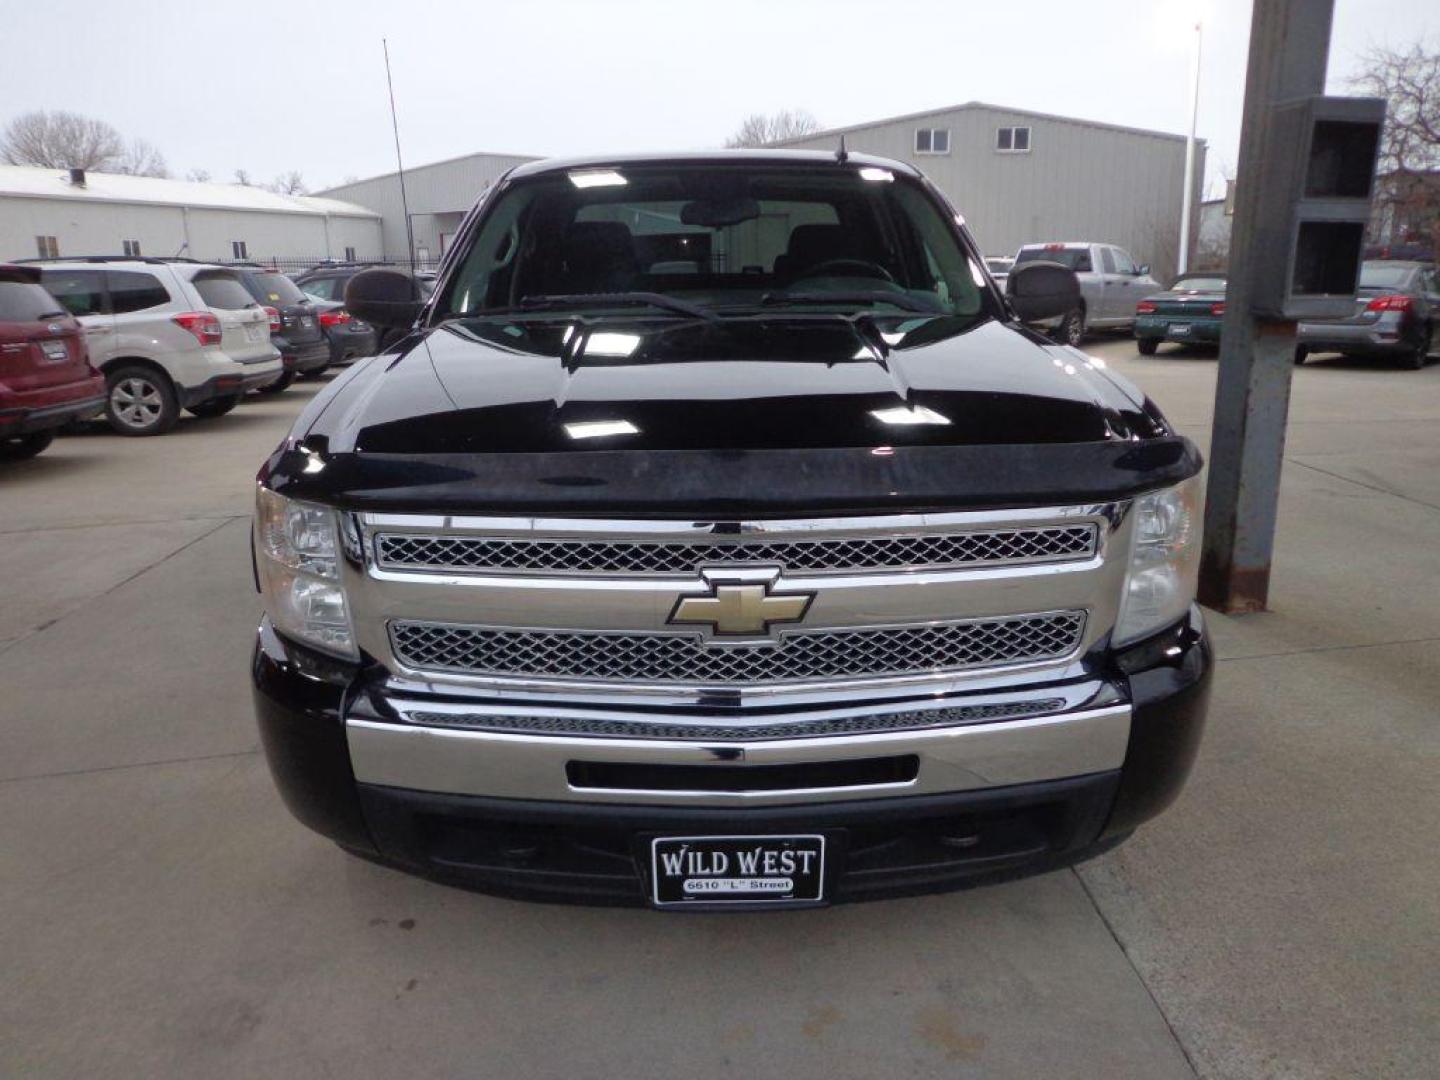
270	87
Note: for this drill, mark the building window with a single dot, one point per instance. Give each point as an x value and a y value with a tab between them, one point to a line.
47	247
932	140
1012	140
238	250
132	247
349	254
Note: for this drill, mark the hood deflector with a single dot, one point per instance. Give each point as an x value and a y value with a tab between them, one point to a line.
704	484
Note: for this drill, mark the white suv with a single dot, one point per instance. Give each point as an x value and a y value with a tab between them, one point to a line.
168	334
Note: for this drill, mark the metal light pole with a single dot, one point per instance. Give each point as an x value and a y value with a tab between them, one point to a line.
1183	263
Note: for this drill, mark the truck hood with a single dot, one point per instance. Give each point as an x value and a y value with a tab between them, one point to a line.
785	382
771	416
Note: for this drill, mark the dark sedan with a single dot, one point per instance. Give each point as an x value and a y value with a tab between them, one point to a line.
1189	312
1397	316
349	338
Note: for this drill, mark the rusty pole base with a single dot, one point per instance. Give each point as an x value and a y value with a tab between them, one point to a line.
1234	591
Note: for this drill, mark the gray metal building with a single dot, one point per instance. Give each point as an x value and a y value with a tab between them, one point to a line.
1021	177
439	195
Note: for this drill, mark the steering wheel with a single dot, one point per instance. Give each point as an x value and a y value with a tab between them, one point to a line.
829	266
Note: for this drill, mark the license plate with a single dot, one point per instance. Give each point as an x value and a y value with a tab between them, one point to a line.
1178	330
703	870
307	320
55	351
255	332
358	327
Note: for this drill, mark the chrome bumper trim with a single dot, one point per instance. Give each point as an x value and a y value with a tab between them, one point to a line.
523	766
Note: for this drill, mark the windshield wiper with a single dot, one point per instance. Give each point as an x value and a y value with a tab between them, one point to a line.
878	296
652	299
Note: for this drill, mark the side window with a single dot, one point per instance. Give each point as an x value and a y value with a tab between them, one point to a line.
1123	263
130	291
80	292
1107	260
1083	265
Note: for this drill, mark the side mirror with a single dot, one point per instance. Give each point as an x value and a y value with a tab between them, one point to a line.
1144	269
1042	290
384	297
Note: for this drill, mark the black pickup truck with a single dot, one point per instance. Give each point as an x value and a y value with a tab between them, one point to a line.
717	535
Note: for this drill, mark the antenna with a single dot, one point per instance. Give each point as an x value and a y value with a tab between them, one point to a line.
842	155
399	165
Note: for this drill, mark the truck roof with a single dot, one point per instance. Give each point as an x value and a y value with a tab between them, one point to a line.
711	157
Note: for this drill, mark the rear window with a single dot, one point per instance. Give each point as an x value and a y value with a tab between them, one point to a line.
222	290
22	302
1380	276
277	289
1077	259
1200	284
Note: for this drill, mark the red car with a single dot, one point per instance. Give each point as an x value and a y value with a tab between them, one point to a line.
45	375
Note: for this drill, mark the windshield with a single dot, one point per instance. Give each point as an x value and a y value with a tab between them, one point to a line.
1382	276
1200	284
1077	259
720	237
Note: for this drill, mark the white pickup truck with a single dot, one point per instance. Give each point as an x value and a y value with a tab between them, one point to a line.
1111	284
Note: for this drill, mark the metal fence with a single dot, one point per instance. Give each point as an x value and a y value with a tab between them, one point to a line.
295	264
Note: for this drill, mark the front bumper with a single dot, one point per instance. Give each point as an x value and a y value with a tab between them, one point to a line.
526	814
1205	329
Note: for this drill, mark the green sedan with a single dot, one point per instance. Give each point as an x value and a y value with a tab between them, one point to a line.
1190	311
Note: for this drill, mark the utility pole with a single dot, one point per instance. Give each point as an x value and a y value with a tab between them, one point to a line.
1289	50
1188	201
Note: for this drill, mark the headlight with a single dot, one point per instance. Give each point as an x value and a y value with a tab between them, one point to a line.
298	549
1164	561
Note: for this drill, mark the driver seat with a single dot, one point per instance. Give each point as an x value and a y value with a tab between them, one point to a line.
811	245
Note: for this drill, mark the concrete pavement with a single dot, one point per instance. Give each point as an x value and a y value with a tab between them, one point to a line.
165	917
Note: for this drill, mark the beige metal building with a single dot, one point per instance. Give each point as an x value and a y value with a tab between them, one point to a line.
61	212
439	196
1023	177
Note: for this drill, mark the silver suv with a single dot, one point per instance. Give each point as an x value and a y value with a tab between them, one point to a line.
1111	284
167	335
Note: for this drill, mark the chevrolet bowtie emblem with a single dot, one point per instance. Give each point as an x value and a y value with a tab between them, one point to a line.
739	603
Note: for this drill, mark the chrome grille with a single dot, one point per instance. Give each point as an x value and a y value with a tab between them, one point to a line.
685	658
611	728
448	551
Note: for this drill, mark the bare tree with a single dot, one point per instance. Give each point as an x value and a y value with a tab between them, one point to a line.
140	158
1408	192
291	183
61	140
758	129
242	177
199	176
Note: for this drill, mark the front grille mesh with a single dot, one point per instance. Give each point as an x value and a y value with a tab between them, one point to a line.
611	728
684	658
441	551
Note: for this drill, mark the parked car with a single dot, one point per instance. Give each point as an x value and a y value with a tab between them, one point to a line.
46	380
167	334
327	281
1189	312
999	267
1110	286
294	324
808	574
349	338
1397	316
